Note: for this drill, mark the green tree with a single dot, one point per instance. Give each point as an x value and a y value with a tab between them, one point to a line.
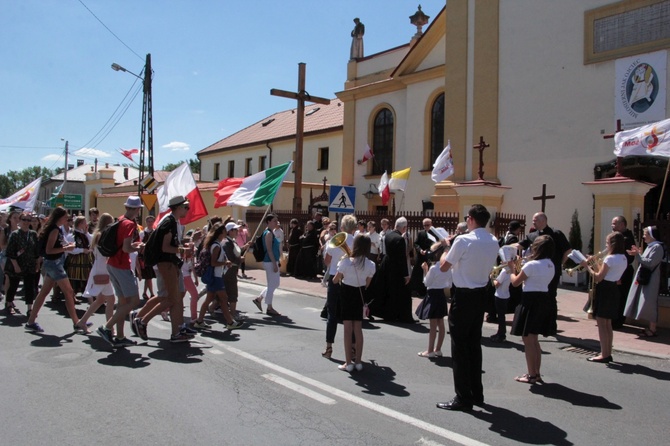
194	164
15	180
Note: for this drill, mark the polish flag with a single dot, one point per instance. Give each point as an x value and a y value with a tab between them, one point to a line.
181	182
129	153
383	189
367	155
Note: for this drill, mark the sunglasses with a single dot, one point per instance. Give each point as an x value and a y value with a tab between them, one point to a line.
27	219
187	207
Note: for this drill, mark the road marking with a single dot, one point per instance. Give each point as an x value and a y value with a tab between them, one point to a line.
298	388
436	430
215	351
313	310
426	442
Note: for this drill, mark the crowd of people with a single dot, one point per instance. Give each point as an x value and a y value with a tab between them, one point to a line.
367	274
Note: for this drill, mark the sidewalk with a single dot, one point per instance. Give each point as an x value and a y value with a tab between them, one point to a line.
573	324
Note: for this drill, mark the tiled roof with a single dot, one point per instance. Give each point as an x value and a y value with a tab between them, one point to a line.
159	176
282	125
79	173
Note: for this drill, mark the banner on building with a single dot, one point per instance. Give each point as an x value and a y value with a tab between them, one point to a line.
640	89
652	139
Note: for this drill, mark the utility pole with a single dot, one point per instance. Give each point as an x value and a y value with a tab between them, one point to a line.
65	171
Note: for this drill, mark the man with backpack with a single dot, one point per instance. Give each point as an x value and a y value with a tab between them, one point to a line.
122	278
163	249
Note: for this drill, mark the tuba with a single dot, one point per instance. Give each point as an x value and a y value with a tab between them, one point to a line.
339	240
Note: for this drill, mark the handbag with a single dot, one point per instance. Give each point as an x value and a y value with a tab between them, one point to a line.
101	279
644	275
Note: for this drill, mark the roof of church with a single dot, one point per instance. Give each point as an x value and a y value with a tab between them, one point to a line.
282	125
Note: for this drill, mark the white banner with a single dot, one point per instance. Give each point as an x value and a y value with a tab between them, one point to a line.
652	139
640	89
24	199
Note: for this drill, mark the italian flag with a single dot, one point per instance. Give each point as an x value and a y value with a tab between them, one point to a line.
258	189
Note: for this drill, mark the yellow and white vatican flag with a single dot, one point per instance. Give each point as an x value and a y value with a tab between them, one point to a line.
443	167
25	198
651	139
399	179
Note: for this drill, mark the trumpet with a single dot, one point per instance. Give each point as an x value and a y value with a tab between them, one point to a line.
595	262
339	240
518	263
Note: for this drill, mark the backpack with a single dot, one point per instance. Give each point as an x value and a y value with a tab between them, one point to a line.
107	244
151	251
259	247
202	262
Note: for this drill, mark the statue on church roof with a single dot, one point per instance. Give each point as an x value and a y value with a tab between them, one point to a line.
357	40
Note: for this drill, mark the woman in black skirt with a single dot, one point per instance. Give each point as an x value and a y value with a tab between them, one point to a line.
606	299
533	316
355	274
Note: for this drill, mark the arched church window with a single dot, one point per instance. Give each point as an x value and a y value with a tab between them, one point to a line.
437	128
383	142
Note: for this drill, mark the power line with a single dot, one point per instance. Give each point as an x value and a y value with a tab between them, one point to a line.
110	31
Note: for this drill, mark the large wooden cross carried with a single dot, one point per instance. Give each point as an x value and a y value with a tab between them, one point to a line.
301	96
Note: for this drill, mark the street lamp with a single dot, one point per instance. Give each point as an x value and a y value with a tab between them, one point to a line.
147	142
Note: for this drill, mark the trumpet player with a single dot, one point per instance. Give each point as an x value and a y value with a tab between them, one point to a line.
606	300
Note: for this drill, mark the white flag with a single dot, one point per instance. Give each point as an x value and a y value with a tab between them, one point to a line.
652	139
24	199
444	165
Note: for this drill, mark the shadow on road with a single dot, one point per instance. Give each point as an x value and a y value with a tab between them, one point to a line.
122	357
522	429
574	397
378	380
636	369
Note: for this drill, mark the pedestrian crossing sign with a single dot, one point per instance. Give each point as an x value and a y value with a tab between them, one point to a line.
342	199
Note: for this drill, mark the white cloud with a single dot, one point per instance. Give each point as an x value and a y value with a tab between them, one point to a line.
53	157
91	153
177	146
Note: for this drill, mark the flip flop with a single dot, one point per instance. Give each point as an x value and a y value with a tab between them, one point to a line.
257	302
273	313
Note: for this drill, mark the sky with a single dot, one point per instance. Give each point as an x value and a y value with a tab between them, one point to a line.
214	64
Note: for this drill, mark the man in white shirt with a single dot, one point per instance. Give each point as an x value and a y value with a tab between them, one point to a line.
470	259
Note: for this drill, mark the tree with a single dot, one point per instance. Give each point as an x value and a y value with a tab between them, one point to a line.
15	180
194	164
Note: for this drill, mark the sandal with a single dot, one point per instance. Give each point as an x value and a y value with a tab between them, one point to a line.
427	354
273	312
257	302
538	379
526	378
646	333
328	353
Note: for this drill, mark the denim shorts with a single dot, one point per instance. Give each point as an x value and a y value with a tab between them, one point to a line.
55	269
123	281
216	285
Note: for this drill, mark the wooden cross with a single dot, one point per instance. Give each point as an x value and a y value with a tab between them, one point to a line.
301	96
481	146
619	159
544	197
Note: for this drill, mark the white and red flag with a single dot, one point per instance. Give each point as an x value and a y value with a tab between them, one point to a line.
651	139
443	167
181	182
367	155
25	198
129	153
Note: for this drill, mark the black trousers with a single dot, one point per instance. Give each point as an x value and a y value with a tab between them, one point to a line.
29	285
466	316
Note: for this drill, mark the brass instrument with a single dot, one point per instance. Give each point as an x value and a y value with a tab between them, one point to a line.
518	263
339	240
595	262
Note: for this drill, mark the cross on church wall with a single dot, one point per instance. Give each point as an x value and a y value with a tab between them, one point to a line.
481	146
544	197
301	96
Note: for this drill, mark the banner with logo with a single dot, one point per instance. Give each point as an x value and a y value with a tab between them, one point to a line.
640	89
652	139
23	199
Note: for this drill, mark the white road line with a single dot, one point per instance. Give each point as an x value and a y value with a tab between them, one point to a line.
312	309
298	388
215	351
436	430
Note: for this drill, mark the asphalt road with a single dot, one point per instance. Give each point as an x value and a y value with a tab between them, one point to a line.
268	384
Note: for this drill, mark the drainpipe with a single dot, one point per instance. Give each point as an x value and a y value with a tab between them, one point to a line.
267	144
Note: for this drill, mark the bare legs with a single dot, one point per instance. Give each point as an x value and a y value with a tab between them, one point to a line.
355	327
47	286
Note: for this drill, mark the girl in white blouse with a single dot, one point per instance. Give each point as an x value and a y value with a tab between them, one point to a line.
355	274
606	301
534	316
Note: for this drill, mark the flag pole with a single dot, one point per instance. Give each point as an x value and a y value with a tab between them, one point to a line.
665	180
253	237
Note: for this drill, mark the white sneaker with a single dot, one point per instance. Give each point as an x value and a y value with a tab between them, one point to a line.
346	367
359	366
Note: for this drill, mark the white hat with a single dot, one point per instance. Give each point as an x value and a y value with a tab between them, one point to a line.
133	201
232	225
